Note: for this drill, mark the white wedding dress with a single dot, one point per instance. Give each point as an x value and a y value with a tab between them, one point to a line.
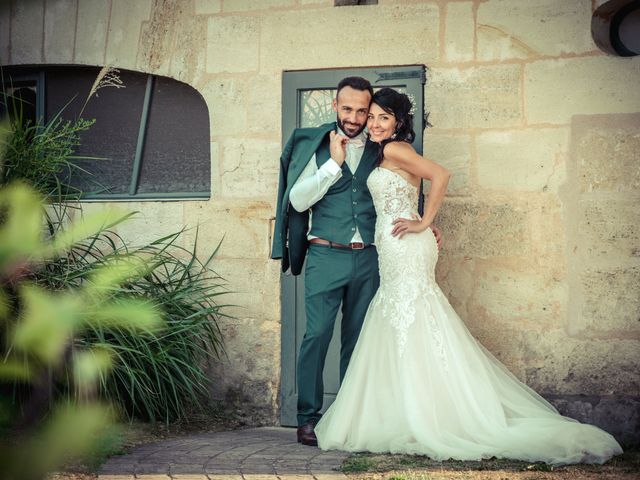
419	383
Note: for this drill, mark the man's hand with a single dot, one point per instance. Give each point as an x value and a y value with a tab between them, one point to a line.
338	147
438	235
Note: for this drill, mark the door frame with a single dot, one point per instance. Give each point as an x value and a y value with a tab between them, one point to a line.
410	77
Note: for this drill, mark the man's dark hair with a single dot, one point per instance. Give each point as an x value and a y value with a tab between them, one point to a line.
357	83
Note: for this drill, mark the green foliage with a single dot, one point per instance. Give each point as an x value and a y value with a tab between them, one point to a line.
38	328
81	309
161	375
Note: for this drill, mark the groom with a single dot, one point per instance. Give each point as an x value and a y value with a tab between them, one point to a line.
329	180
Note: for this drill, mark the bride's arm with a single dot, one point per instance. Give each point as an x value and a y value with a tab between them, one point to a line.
404	156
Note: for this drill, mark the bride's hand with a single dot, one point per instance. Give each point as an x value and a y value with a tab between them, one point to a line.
402	226
438	235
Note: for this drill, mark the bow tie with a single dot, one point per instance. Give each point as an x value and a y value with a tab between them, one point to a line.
356	142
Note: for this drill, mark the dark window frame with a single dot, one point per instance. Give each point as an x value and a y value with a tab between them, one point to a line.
37	74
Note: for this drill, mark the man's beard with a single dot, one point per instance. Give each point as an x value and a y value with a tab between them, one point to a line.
341	125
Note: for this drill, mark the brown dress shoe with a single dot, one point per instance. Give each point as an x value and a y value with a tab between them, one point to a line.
306	435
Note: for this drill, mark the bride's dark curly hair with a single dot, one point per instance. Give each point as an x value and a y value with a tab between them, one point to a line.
399	105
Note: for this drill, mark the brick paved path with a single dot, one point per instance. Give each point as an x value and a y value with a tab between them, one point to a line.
267	453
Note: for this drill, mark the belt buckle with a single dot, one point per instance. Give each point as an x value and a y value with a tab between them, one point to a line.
357	246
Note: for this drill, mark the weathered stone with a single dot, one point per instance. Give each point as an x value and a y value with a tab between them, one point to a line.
454	153
480	229
227	100
459	32
190	53
325	3
207	7
522	160
617	414
558	364
158	37
251	5
59	31
555	90
91	33
475	97
509	293
233	44
250	168
456	278
124	31
289	40
242	227
251	296
152	220
610	228
264	101
611	302
606	149
530	28
26	32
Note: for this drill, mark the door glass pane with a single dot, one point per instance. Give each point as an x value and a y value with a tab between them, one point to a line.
316	107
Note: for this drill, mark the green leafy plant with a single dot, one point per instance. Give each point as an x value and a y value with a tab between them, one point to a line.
160	375
38	329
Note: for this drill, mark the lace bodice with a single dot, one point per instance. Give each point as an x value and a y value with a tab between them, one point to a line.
407	265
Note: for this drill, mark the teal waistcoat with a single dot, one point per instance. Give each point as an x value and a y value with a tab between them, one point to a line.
347	204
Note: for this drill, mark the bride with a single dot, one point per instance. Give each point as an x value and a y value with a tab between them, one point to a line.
418	382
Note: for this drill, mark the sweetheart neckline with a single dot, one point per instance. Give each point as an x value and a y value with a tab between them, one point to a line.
398	175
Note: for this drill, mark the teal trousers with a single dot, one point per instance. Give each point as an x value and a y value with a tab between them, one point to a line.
332	276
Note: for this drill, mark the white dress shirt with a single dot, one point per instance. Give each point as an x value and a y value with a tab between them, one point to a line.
314	182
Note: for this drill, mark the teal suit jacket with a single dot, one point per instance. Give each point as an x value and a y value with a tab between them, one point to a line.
290	233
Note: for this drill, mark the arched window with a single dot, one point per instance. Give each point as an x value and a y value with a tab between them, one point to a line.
152	136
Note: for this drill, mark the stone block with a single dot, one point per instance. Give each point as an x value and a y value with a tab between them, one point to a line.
510	29
251	287
91	33
153	220
189	53
208	7
242	227
459	32
251	368
264	104
555	90
251	5
250	168
558	364
289	40
233	44
227	99
548	225
456	278
481	229
618	415
610	228
517	293
476	97
454	153
611	305
606	153
26	32
59	31
124	32
522	160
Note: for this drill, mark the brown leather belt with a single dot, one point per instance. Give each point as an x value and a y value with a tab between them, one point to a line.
351	246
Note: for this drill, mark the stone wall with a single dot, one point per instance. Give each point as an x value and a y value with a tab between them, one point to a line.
541	130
